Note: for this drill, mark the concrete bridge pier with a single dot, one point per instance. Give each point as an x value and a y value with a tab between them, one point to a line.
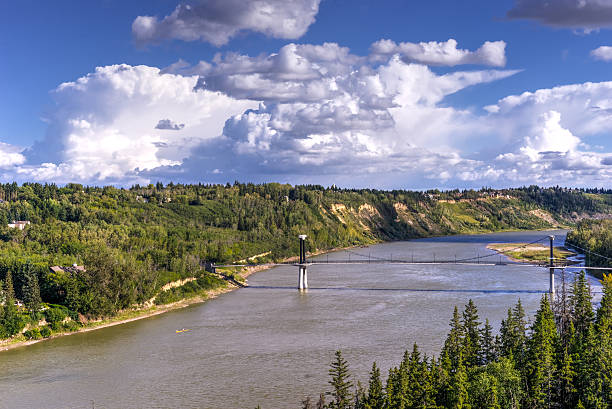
302	272
552	270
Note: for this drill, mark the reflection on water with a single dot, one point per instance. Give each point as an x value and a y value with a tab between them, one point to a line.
269	344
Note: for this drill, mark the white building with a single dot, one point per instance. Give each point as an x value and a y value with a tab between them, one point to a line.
21	224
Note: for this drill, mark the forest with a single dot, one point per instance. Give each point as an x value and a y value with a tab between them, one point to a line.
128	243
594	239
563	359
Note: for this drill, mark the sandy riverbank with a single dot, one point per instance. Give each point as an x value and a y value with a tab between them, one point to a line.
532	253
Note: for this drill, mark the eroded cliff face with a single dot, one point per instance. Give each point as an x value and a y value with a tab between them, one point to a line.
431	217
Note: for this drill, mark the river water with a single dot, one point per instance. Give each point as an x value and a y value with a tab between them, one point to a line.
268	344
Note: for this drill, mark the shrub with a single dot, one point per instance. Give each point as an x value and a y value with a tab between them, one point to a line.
55	315
71	326
33	333
45	332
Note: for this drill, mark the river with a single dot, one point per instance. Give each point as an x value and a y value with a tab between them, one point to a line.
268	344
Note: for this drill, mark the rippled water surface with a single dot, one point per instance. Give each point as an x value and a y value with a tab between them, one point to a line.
268	344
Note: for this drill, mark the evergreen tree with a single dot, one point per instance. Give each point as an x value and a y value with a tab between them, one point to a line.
483	390
458	389
567	390
10	320
513	335
31	290
375	398
9	291
541	370
453	346
583	346
340	383
488	349
394	392
603	327
471	336
360	397
416	384
581	306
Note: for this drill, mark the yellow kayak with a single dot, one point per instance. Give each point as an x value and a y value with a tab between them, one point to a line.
182	330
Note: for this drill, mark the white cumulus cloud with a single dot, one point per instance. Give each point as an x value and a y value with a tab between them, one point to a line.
446	53
102	128
603	53
315	114
216	21
10	155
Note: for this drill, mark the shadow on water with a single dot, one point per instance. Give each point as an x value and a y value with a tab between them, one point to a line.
416	290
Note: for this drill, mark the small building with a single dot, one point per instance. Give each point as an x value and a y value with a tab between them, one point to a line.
21	224
69	269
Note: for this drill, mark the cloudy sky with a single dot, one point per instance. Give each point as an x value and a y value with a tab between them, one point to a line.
357	93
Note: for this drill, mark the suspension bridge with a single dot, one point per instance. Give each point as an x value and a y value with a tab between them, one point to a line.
480	260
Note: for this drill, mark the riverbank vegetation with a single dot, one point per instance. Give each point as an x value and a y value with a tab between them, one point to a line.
594	238
133	242
560	360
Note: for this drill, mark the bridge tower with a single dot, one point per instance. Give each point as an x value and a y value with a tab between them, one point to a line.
552	271
302	272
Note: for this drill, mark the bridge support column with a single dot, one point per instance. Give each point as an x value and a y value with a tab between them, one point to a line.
302	272
552	271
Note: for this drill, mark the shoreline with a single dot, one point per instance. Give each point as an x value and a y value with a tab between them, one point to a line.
144	312
139	313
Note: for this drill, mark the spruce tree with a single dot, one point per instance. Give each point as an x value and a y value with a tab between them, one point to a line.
603	327
340	383
415	386
375	398
583	345
10	318
360	397
541	368
471	336
393	389
31	290
581	306
513	335
458	388
520	322
453	346
488	349
9	291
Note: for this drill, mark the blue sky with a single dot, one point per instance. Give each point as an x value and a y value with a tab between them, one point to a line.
303	91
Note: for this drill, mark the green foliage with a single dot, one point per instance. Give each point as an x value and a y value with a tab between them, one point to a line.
549	374
54	315
134	241
340	382
596	237
33	333
45	332
11	322
375	398
31	290
71	326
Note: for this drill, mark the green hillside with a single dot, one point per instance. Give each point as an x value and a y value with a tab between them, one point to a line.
134	241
